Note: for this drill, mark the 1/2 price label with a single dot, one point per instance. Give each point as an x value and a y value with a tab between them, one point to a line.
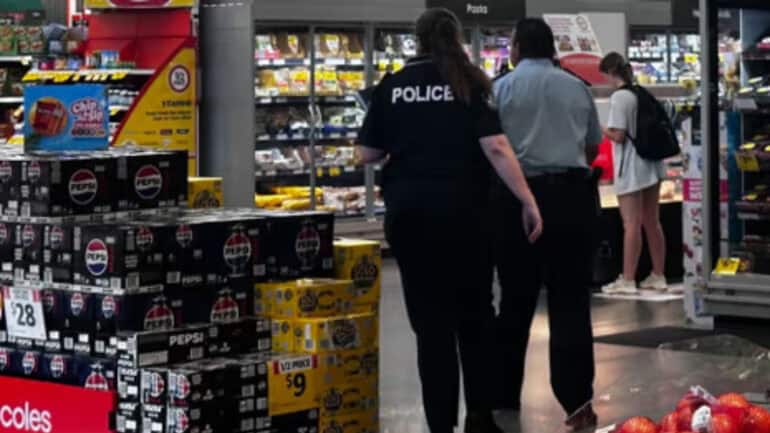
24	313
293	384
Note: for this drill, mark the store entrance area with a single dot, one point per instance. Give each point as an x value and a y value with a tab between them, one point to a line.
630	379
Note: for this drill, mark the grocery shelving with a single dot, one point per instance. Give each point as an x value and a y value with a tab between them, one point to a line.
736	261
664	55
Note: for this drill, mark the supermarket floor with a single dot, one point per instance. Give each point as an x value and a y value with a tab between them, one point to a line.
630	380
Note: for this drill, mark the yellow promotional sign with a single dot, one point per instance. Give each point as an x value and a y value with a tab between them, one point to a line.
293	384
138	4
165	114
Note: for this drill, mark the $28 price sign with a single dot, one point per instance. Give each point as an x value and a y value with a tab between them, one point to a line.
23	309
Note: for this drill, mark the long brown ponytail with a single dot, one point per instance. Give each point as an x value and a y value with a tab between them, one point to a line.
440	36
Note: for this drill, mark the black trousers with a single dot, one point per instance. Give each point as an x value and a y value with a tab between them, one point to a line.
446	272
561	261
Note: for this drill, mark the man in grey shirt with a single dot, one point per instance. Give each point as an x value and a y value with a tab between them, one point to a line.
551	121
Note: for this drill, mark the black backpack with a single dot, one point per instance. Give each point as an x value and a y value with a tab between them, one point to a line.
655	135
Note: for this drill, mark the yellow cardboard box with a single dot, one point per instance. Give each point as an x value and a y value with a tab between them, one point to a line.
304	298
322	335
348	366
283	336
363	422
360	261
204	192
293	384
347	398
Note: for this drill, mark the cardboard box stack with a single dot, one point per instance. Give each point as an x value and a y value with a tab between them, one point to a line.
328	333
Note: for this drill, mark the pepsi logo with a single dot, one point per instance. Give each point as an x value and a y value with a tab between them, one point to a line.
96	379
28	236
83	187
58	367
33	171
97	257
181	421
237	251
6	171
109	307
148	182
159	316
184	235
307	244
29	363
77	302
144	238
49	300
156	384
57	237
225	309
5	358
3	234
181	387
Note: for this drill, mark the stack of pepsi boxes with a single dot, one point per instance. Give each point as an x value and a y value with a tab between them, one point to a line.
142	297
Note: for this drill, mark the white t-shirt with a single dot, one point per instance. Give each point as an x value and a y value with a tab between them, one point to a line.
637	173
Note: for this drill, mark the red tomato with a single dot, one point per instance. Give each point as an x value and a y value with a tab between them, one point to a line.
723	423
734	400
638	424
757	421
669	423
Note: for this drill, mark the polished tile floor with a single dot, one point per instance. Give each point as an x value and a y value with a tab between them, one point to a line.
630	381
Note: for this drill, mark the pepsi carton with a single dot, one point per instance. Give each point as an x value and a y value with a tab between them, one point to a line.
128	381
294	422
60	368
10	185
53	309
247	335
300	244
219	303
27	363
105	345
182	242
57	253
153	388
136	312
196	382
117	256
68	184
128	418
152	179
154	418
28	251
79	309
6	361
233	247
7	247
210	416
97	374
153	348
3	333
247	377
75	342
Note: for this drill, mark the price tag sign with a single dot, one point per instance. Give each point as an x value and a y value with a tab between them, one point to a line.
293	384
727	266
747	161
691	58
24	313
334	171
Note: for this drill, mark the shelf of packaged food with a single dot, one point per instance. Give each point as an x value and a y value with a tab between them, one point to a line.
753	102
321	172
647	59
24	60
272	63
289	100
749	282
350	134
85	75
11	99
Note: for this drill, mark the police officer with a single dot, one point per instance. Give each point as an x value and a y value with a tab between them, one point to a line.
434	124
551	120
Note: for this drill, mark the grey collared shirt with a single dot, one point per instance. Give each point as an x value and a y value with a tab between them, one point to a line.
548	115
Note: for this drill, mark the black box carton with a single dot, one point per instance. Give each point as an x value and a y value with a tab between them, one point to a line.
60	368
117	256
153	388
136	312
300	244
152	179
79	309
28	251
57	253
10	183
97	374
7	247
153	348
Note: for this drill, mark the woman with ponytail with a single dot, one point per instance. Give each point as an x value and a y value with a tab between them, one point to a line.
637	183
433	124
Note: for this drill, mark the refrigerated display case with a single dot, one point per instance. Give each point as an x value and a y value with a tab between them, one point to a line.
664	55
736	261
495	55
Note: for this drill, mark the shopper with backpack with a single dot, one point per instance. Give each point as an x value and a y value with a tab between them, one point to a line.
643	136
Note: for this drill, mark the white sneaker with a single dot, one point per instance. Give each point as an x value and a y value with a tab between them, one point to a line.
620	286
654	282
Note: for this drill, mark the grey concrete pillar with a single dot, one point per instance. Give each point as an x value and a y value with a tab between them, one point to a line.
227	97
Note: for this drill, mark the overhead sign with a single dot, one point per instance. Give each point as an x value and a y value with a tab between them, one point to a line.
139	4
480	11
577	45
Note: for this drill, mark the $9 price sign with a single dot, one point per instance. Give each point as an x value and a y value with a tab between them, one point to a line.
293	384
24	313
